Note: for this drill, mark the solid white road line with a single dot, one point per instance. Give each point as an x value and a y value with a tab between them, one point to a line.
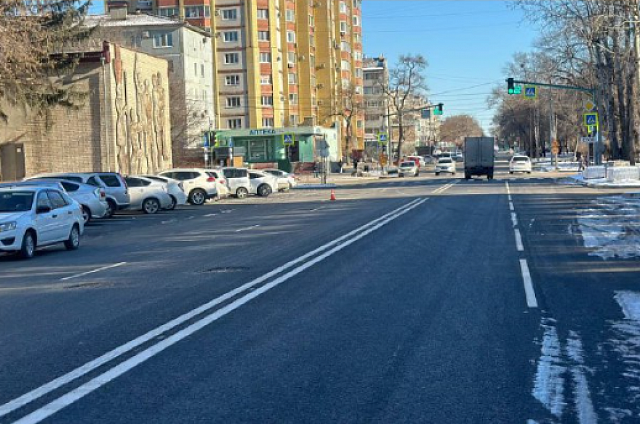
210	214
93	271
247	228
532	302
121	350
104	378
519	245
514	219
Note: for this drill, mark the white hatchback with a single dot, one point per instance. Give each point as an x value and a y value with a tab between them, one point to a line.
520	164
32	217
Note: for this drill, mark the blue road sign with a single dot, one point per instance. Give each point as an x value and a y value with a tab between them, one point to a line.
288	139
591	119
206	140
382	138
530	92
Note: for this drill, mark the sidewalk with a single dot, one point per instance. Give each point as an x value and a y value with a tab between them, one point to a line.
308	181
600	182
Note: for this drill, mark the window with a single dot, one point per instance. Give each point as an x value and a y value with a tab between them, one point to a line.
345	46
43	201
293	78
266	79
356	21
230	36
230	58
266	101
195	69
343	27
168	11
265	57
229	14
57	201
232	80
233	102
345	65
293	99
291	37
69	187
343	7
263	13
312	21
263	35
267	122
291	57
202	70
293	119
110	180
163	40
358	72
312	40
290	15
196	12
234	123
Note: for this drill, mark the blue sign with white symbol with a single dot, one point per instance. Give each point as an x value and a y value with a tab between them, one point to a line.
591	119
288	139
530	92
382	138
206	140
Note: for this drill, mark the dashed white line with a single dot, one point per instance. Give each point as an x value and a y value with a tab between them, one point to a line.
82	274
514	219
519	245
511	208
210	214
532	302
247	228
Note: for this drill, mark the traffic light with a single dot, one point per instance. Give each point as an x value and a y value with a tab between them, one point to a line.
438	109
511	89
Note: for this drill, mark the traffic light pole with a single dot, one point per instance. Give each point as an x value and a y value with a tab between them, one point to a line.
592	91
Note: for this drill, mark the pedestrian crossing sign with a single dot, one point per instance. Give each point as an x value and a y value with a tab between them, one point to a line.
382	138
591	119
288	139
530	91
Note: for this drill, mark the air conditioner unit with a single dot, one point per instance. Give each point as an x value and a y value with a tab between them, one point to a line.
145	34
290	65
320	102
321	66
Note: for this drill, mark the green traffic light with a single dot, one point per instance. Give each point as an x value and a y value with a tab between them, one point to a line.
511	91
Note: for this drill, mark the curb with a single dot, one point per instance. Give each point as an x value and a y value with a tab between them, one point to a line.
315	186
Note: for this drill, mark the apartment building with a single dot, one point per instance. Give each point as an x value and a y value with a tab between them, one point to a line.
376	104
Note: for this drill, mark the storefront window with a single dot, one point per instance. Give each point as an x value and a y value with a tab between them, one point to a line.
259	150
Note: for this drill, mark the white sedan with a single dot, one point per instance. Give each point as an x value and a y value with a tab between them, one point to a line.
446	164
262	184
175	189
520	164
147	195
286	180
32	217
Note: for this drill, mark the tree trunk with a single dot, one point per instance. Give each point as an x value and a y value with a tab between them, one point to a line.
400	136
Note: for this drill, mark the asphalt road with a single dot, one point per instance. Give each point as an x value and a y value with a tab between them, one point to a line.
431	300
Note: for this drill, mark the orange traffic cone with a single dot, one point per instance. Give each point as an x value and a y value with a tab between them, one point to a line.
333	195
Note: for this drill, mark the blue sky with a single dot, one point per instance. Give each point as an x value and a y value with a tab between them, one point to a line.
467	44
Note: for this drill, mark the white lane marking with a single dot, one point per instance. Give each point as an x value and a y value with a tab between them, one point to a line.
82	274
514	219
511	208
210	214
247	228
519	245
121	350
532	302
508	188
104	378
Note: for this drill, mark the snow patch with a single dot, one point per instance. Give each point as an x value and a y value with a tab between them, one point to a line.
549	383
584	406
630	304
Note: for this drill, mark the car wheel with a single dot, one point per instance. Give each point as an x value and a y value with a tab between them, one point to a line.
28	247
111	208
437	173
264	190
174	203
150	206
241	193
73	242
510	172
197	197
86	215
528	172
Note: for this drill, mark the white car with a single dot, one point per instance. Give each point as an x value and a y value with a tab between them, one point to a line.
221	182
32	217
175	189
197	183
147	195
408	168
446	164
286	180
262	184
520	164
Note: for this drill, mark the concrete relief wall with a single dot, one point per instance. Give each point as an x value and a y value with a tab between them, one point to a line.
141	112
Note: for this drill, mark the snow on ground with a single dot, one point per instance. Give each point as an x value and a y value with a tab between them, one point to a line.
583	404
549	381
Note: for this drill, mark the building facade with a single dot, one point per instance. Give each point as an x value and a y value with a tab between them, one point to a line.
120	118
188	51
376	104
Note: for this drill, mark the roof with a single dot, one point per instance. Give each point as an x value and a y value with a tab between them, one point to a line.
139	20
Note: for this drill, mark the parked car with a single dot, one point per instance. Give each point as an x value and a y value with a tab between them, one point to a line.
147	195
520	164
445	164
92	199
262	183
197	183
221	182
458	157
175	189
32	217
286	180
237	181
408	168
419	160
429	159
117	195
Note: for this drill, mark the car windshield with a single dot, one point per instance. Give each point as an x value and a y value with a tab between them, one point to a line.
407	164
16	201
445	160
520	159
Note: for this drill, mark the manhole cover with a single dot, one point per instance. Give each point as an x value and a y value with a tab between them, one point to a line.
223	269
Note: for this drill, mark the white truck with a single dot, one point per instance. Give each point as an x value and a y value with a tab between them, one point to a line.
479	154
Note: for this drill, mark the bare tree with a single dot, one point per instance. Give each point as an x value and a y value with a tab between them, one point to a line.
455	128
406	82
36	38
352	106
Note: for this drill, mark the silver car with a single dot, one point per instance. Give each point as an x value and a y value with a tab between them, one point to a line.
113	183
286	180
175	189
92	199
148	195
262	184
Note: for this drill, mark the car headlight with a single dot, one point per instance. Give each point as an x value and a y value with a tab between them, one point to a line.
7	226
